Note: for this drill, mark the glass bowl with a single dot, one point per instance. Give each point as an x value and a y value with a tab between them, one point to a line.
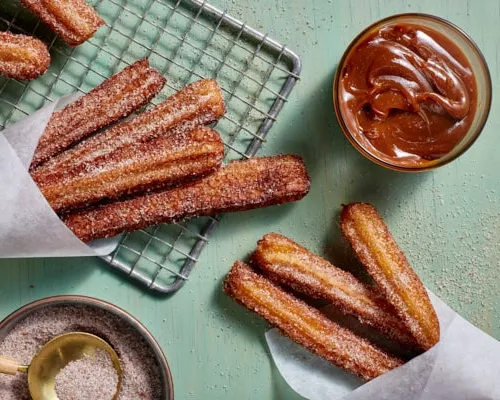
480	71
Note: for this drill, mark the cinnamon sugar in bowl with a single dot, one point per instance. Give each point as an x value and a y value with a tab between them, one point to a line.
146	374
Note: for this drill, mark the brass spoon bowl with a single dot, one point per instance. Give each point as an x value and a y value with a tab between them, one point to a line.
54	356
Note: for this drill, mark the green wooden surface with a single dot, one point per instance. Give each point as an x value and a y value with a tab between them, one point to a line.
447	220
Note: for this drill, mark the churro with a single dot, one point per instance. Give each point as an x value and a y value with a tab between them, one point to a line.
115	98
241	185
22	57
307	326
73	20
197	104
163	162
385	262
292	265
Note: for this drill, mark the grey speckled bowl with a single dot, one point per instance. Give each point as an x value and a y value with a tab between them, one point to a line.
13	319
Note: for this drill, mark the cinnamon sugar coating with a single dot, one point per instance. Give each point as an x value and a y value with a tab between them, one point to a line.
307	326
75	21
115	98
241	185
292	265
197	104
160	163
22	57
385	262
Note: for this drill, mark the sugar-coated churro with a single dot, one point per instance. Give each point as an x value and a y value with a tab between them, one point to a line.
197	104
241	185
292	265
307	326
163	162
75	21
115	98
22	57
385	262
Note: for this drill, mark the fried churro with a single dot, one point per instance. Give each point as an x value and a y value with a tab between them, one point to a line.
115	98
307	326
22	57
385	262
197	104
163	162
292	265
241	185
75	21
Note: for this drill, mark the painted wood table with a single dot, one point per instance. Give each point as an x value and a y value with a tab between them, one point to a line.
447	221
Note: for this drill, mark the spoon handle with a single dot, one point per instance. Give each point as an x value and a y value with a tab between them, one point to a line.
8	366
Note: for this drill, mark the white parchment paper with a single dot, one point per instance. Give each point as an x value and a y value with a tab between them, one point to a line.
28	226
464	365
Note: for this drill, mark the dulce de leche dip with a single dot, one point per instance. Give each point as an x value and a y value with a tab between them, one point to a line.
407	94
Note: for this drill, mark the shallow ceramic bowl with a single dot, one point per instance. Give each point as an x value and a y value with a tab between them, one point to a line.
17	316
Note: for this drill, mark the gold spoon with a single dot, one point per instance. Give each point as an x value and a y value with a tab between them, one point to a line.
53	357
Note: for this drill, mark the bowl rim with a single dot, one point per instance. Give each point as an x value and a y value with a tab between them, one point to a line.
31	307
432	164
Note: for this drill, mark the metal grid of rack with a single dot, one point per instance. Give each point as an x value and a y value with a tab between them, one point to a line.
186	40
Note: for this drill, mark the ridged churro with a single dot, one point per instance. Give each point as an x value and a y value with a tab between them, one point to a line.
163	162
22	57
292	265
241	185
385	262
75	21
115	98
307	326
197	104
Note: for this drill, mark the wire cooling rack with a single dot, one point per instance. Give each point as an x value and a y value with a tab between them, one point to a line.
186	40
